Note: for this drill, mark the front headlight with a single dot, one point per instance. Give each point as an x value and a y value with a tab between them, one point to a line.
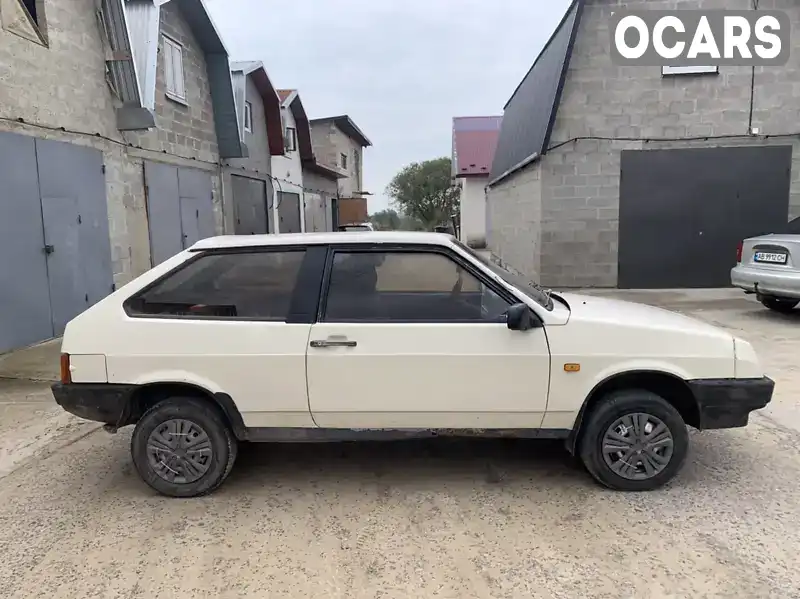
746	364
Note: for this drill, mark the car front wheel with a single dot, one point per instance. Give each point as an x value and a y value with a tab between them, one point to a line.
780	305
182	447
634	440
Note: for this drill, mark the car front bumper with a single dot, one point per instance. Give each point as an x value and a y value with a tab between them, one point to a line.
102	402
766	281
727	403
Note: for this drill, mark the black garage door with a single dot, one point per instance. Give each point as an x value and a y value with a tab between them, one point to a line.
682	212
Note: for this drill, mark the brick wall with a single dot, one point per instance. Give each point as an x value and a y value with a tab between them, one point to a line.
578	185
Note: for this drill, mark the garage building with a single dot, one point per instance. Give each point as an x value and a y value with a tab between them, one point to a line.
641	177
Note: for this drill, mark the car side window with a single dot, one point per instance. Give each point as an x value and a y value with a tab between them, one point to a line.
407	286
252	285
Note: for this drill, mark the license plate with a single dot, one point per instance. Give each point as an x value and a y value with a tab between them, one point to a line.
771	257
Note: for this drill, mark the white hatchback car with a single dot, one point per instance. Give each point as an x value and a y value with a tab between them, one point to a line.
260	338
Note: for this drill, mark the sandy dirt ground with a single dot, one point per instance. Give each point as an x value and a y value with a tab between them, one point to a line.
450	518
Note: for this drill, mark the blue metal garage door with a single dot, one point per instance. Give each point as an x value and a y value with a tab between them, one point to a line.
179	208
54	243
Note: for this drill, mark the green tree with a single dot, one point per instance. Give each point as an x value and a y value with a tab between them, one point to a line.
386	220
425	192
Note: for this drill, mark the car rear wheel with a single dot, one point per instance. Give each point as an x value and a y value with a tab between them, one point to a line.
779	304
634	440
182	447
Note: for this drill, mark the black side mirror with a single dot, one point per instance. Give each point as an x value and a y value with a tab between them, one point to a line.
519	317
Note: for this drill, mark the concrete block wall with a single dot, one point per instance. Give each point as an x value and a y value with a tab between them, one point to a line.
329	143
579	186
514	210
185	130
63	84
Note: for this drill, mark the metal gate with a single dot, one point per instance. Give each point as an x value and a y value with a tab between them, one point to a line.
53	237
249	205
288	212
683	212
180	208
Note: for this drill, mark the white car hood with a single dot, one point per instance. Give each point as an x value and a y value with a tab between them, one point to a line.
601	310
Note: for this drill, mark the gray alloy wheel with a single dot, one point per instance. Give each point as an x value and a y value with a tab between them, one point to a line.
179	451
183	447
633	440
637	446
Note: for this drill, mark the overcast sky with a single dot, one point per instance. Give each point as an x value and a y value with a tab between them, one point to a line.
402	69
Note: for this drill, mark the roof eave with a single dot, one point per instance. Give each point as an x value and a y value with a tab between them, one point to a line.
348	127
303	127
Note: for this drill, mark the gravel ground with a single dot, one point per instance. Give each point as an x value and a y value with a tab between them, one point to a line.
443	518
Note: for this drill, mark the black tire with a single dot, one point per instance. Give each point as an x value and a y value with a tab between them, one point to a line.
617	405
209	418
777	304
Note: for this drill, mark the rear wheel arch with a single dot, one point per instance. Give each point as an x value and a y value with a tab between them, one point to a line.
668	386
148	395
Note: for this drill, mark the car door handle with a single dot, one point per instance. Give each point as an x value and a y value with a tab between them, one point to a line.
333	343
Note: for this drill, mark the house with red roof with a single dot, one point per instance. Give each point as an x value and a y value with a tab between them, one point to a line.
474	143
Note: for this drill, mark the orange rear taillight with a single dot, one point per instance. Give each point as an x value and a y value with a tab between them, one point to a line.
739	252
66	373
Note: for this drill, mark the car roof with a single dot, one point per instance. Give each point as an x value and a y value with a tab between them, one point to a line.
368	237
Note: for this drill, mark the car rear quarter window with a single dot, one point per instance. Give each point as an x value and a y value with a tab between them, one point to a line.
407	286
253	285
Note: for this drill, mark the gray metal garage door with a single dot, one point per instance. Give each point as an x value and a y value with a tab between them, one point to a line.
249	205
683	212
180	208
289	212
53	237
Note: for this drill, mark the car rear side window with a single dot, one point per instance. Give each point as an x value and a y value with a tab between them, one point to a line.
407	286
253	285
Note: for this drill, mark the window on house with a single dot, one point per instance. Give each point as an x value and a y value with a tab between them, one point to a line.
35	12
173	70
248	117
291	139
255	285
30	5
343	160
692	70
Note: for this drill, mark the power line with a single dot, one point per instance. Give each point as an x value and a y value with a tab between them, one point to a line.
670	139
126	144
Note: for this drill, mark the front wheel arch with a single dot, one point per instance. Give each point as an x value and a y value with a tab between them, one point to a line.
668	386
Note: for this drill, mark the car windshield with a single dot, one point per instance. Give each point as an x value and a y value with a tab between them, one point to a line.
534	291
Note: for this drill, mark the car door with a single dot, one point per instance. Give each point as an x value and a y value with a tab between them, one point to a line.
234	321
414	337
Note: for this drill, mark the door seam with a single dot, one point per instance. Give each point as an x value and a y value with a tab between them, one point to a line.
44	234
308	389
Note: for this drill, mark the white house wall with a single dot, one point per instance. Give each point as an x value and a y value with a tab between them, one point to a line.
288	170
473	209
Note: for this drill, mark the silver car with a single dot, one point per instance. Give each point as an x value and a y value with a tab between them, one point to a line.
769	266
